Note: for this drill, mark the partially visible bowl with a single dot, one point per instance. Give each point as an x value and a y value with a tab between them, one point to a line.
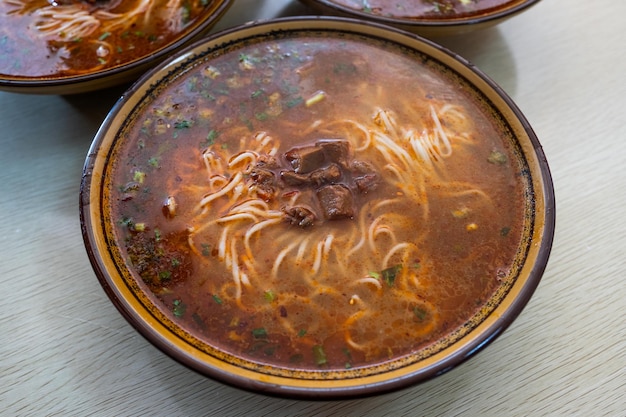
317	208
427	17
65	48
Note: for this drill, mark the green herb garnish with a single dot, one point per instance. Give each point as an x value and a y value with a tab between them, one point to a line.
210	137
183	124
269	296
389	275
179	308
420	313
259	333
319	356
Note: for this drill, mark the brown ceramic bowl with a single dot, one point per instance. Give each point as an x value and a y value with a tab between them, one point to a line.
427	18
304	207
73	48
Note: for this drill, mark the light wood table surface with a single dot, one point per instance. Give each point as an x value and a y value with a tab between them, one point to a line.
65	350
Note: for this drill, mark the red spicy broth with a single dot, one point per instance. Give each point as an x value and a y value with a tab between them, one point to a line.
426	9
295	203
66	38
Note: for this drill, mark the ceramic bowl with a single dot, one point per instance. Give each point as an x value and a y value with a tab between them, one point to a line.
427	18
63	48
269	207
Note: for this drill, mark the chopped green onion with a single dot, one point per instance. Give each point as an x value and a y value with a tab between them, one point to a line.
217	299
420	313
179	308
198	320
183	124
348	355
297	358
261	116
139	176
269	296
294	102
257	93
259	333
319	356
389	275
211	136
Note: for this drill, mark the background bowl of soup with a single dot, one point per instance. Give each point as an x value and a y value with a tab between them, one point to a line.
278	210
427	17
68	46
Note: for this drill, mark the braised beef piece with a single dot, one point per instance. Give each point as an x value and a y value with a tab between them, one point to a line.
300	216
335	150
366	183
364	176
305	159
267	161
329	175
336	201
326	175
265	183
361	167
326	169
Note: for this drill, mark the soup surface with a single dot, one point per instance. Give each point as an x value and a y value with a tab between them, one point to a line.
45	38
294	202
430	9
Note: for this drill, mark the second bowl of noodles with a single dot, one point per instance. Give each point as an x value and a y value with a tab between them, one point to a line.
317	208
74	46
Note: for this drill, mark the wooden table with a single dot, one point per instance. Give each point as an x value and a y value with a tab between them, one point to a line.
65	350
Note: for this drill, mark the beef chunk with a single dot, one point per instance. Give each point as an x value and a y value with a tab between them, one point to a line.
327	175
293	178
265	183
300	216
366	183
335	150
336	201
364	176
361	167
267	161
306	159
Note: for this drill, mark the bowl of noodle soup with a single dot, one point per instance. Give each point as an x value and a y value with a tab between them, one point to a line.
277	210
427	17
74	46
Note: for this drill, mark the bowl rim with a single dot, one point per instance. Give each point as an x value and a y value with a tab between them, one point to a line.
55	84
426	23
465	348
